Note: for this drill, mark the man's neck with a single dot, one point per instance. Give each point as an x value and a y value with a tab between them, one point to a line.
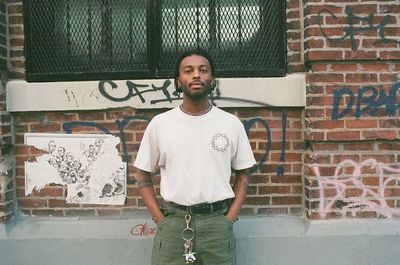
195	107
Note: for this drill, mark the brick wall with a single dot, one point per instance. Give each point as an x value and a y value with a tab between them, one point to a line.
351	117
275	135
270	191
7	181
337	158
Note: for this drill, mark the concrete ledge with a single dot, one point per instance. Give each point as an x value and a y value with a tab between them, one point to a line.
261	241
288	91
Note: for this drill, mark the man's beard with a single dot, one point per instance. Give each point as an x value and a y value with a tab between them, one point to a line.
198	94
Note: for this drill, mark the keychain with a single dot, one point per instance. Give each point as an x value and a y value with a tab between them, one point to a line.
188	235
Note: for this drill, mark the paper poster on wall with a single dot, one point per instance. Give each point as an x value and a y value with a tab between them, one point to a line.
88	164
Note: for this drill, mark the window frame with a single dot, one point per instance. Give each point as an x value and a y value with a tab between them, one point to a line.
154	43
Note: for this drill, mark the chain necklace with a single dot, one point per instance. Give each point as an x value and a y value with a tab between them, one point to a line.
196	113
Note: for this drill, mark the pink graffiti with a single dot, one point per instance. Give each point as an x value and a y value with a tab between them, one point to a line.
143	230
372	199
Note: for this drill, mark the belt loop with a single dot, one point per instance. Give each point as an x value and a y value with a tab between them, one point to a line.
212	208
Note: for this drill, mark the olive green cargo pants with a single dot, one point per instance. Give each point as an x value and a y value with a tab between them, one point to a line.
214	242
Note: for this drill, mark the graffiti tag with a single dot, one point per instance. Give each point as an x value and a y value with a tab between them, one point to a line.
353	28
368	199
143	230
369	99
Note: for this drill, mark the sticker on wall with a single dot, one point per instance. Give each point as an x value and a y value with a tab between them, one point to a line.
88	164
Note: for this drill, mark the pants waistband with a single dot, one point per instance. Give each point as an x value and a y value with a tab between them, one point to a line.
203	208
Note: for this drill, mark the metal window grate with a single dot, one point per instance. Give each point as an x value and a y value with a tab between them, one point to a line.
98	39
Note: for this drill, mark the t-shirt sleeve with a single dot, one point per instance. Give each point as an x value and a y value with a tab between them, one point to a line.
148	154
244	157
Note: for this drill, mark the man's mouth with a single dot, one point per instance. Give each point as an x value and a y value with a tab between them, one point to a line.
196	83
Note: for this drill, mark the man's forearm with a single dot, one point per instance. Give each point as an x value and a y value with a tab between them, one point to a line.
146	190
240	190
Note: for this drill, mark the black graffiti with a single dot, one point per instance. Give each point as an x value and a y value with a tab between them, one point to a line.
353	28
138	90
122	123
368	100
135	90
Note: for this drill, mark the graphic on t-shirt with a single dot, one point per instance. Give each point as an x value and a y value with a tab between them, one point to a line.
220	142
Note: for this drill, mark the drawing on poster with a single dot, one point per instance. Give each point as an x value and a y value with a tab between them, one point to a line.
88	164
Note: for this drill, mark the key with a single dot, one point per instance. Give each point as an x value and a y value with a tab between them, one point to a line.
189	255
188	235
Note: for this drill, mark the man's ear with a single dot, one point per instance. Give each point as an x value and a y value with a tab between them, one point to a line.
178	85
213	82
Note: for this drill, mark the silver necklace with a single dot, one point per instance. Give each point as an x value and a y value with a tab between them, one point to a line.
196	113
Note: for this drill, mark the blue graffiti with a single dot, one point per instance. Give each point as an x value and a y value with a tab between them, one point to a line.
281	169
351	30
367	101
122	123
247	125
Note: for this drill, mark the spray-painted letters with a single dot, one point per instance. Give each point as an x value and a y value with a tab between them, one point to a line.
354	27
367	101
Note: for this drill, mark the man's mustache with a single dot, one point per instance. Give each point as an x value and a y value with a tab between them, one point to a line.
196	82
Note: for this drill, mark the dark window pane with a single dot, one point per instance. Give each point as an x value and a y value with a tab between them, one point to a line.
97	39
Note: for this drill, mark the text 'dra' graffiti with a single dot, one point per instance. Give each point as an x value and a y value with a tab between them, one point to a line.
366	101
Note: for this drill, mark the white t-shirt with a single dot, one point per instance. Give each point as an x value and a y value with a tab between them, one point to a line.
195	154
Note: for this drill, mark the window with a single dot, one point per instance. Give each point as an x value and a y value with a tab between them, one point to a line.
120	39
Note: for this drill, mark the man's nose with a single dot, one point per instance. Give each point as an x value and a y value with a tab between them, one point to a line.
196	74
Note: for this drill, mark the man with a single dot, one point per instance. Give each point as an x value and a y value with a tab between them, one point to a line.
195	146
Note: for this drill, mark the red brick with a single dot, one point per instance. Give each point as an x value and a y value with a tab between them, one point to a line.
389	55
262	190
362	55
286	200
374	43
49	191
361	78
15	9
319	67
324	55
374	67
325	78
384	158
80	212
344	67
380	134
28	202
356	124
389	8
292	14
47	212
343	136
389	78
311	9
327	124
257	200
364	9
360	146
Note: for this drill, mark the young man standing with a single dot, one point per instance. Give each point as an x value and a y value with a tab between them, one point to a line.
195	146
